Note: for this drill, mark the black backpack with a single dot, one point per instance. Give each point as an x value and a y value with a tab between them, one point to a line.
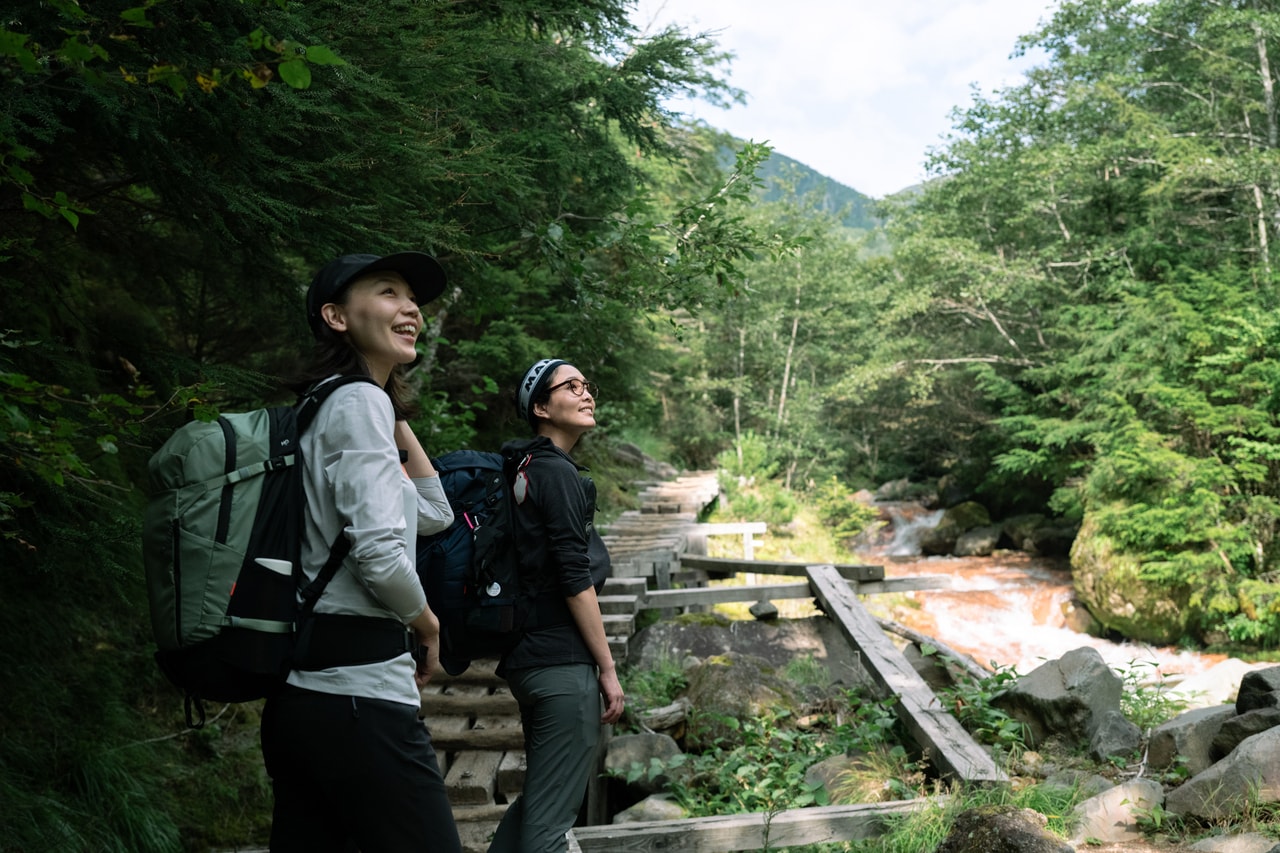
222	541
471	570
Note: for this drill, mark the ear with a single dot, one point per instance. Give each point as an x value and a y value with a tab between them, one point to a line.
540	410
331	313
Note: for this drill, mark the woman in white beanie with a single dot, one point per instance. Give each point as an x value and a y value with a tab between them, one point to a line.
561	671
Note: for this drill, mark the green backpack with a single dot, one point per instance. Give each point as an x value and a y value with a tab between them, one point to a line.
221	541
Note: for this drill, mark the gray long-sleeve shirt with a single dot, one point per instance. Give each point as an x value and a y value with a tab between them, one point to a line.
354	484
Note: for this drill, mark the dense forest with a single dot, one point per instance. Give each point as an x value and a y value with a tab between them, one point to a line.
1075	316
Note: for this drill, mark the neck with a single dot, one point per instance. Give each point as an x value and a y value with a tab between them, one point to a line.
561	438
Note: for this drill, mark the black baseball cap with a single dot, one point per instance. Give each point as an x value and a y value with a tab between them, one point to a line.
423	273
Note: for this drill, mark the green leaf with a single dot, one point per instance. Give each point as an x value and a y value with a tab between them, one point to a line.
137	17
321	55
296	73
14	44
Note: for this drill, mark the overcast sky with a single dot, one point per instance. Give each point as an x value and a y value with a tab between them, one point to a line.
857	89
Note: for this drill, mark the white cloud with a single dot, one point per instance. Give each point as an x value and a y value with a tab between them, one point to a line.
856	89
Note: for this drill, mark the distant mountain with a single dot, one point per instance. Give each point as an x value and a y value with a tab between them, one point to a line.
833	197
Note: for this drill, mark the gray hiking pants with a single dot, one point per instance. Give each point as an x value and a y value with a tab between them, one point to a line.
560	711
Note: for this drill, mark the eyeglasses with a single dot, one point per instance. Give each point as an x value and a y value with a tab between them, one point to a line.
576	386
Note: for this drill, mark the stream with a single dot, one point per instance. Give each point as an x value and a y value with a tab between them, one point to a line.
1010	609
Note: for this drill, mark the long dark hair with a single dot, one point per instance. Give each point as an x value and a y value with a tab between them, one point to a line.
333	354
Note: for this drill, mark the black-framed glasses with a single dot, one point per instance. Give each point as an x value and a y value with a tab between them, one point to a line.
576	386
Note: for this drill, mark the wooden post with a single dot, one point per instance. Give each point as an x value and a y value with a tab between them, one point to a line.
952	751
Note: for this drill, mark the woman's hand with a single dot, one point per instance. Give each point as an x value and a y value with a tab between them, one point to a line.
611	695
428	664
427	628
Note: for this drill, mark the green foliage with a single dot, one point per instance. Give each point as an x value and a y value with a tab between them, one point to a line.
840	512
970	701
654	686
767	501
1144	697
764	770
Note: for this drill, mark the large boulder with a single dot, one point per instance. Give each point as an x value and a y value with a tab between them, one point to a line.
778	641
726	689
1068	696
1111	585
1250	775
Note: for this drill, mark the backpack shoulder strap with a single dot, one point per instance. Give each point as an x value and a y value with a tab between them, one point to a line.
309	401
305	412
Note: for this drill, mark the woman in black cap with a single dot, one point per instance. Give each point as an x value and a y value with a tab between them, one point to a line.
561	671
351	764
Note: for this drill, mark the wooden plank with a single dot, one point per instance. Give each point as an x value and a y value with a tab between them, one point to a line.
792	828
619	604
471	779
485	705
663	598
499	740
719	528
511	774
625	586
952	751
775	567
618	623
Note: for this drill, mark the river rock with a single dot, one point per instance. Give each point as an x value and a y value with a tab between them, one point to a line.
1110	583
1248	842
1113	814
1016	531
942	538
656	807
1217	685
641	753
1250	773
1001	829
1234	731
1259	689
1086	784
1052	540
1068	696
853	778
978	542
1189	736
733	686
1114	735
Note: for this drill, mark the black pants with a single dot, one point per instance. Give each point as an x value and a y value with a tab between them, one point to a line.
353	774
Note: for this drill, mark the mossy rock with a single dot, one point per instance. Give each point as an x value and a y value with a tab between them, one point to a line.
1110	584
966	516
733	687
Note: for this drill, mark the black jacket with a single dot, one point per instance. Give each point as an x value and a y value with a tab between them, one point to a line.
561	554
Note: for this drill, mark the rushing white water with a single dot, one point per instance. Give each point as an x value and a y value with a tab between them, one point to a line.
1010	609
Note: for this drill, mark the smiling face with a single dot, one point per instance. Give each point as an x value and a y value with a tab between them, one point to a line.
381	319
565	416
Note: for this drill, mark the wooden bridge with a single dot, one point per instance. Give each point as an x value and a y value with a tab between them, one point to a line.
659	562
